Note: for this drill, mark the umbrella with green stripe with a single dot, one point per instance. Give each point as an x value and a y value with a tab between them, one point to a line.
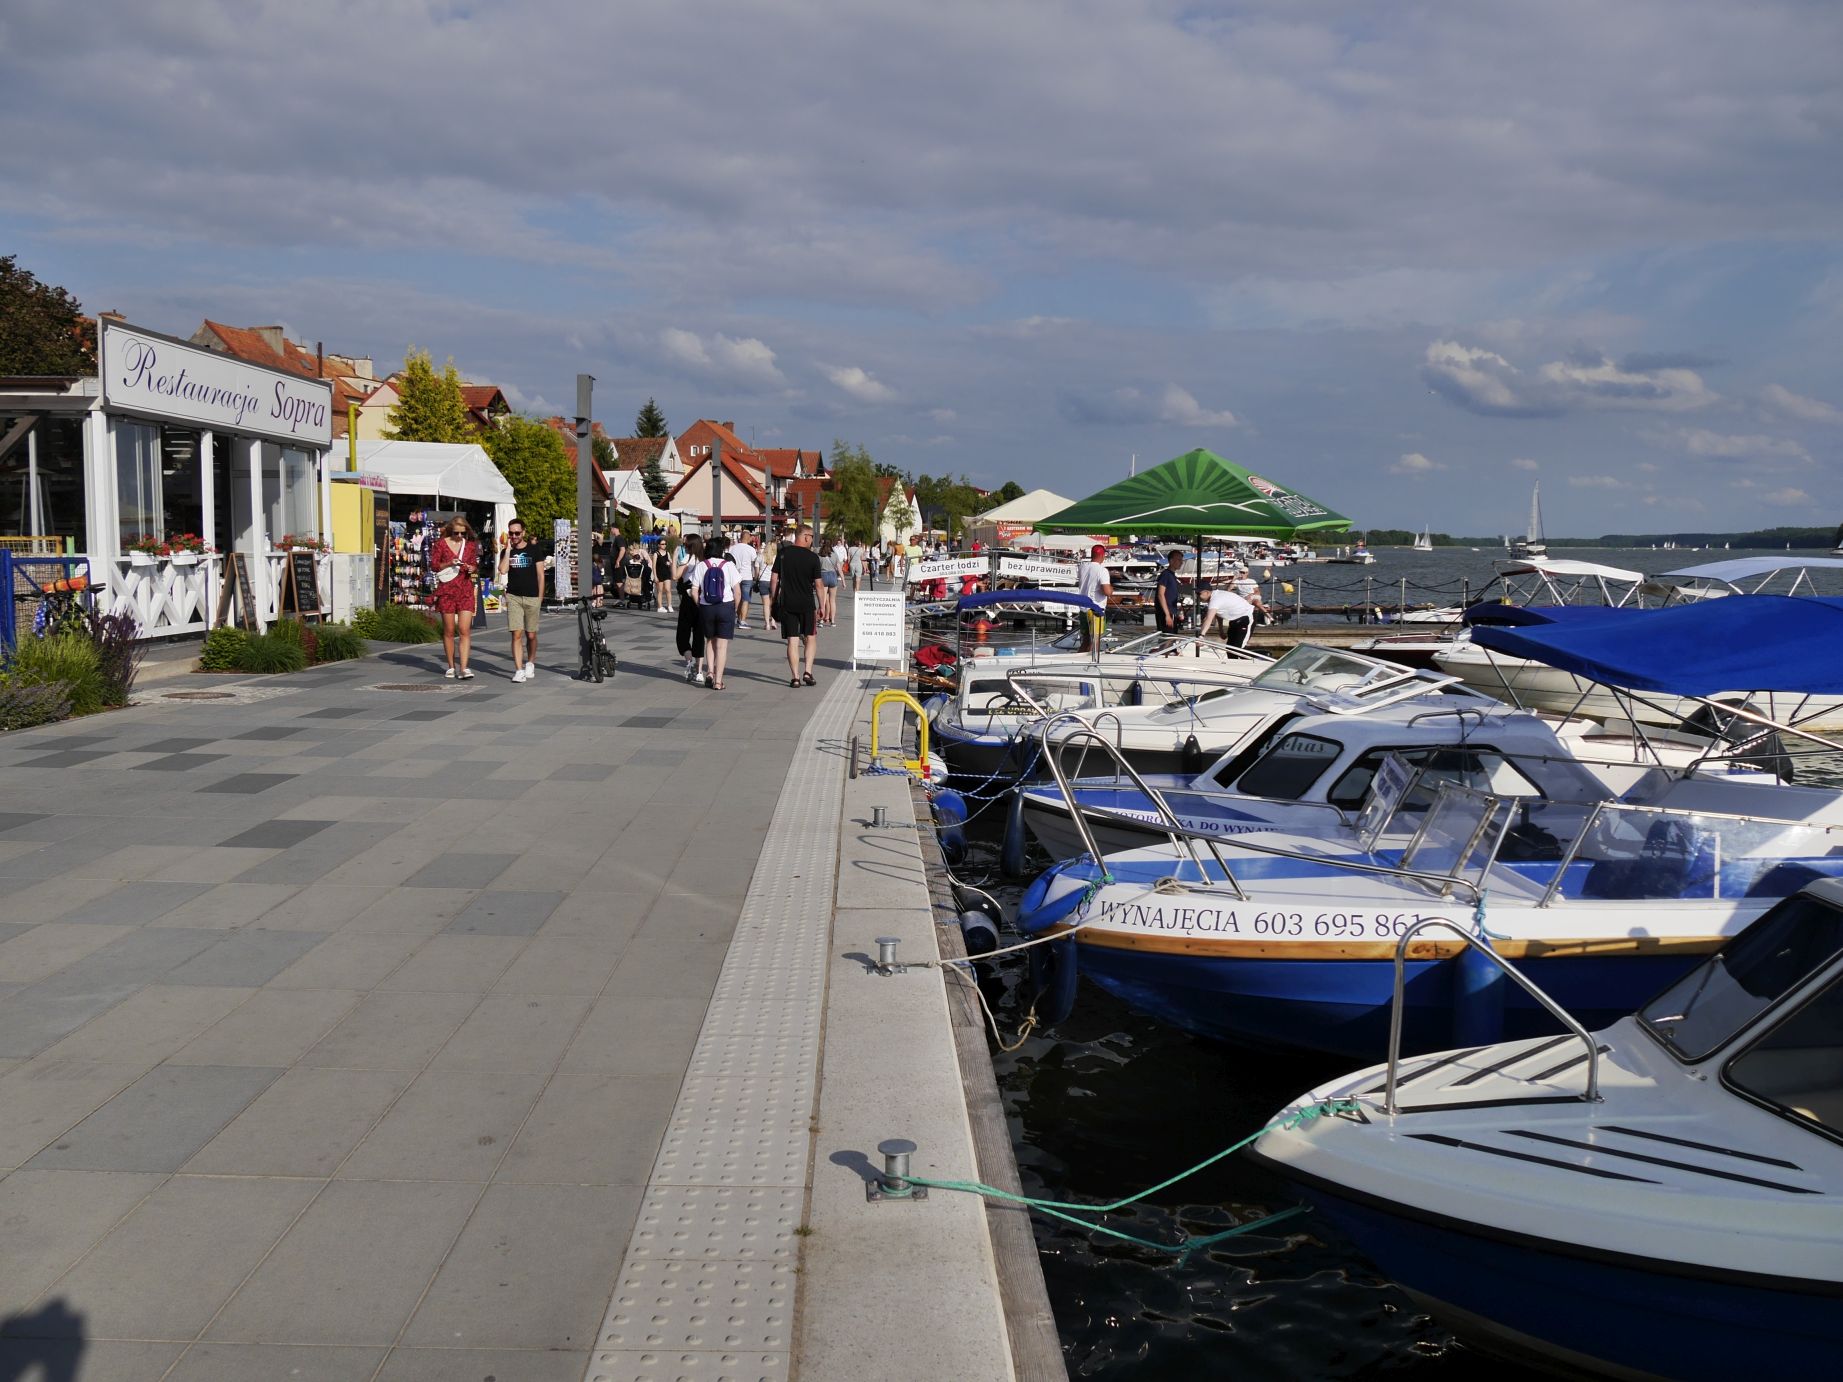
1194	495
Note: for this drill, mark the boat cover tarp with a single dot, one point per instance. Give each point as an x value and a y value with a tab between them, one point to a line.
1520	616
1023	599
1566	566
1741	568
1198	492
1742	643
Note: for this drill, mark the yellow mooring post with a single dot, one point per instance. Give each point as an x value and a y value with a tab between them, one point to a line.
919	765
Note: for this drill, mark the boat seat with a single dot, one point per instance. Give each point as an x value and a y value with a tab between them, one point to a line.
1675	860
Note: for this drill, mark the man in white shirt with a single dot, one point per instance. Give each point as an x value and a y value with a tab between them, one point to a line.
1234	613
1096	582
742	554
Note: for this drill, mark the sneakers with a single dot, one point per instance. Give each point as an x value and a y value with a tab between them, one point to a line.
448	672
691	672
523	673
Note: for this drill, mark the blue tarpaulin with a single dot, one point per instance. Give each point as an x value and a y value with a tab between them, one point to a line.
1496	614
1739	643
997	599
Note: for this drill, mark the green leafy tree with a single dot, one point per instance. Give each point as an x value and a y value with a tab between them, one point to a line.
536	463
632	525
603	447
650	422
653	479
853	507
1004	494
899	514
947	499
42	328
429	407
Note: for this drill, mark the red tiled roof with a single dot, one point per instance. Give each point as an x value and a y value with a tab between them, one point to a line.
630	453
782	461
250	345
736	471
483	397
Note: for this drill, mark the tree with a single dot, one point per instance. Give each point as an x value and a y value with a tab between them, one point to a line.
42	328
536	464
602	446
650	422
653	479
946	498
1004	494
855	504
899	515
429	407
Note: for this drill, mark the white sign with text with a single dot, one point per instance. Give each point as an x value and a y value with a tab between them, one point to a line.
948	569
1042	570
149	374
879	628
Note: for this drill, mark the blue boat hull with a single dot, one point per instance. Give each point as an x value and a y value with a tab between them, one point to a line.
1342	1006
1617	1314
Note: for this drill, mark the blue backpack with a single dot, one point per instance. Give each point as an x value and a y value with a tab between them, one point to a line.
714	585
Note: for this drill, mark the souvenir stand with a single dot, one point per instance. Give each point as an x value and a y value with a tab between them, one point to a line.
428	483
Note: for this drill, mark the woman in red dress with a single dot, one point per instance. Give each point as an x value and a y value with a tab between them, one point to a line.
456	555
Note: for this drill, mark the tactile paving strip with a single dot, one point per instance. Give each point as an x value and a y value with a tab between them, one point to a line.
707	1287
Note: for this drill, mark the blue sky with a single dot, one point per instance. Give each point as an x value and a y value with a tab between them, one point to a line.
1407	258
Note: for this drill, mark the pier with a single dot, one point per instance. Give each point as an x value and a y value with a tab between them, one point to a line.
361	1024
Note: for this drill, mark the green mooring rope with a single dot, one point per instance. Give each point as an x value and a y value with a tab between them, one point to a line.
1058	1209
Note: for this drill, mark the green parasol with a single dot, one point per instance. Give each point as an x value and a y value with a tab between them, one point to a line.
1191	496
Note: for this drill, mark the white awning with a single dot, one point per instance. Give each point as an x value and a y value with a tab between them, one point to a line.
1562	566
1034	507
437	469
1740	568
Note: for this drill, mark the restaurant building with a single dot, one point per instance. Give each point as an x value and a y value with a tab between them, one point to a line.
168	441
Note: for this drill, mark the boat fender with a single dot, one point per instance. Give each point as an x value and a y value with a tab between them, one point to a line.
950	825
935	770
949	808
1052	980
978	932
933	705
974	900
1191	757
1478	999
1038	911
1011	858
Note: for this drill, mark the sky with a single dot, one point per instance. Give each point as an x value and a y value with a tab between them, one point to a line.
1408	258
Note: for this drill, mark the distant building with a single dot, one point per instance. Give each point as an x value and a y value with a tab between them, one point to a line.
352	376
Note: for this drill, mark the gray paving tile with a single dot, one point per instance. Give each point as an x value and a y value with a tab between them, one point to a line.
47	1096
353	1267
87	1360
514	1032
135	903
460	871
318	906
249	783
593	1130
171	745
583	772
647	721
422	716
506	914
150	1024
230	905
276	834
158	1122
335	712
245	959
218	1362
637	1036
13	820
165	1270
523	1275
474	1364
302	1125
449	1125
271	732
562	964
52	1218
455	964
66	758
348	962
665	758
392	1031
177	762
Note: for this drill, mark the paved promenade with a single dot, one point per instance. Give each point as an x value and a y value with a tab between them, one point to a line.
342	1019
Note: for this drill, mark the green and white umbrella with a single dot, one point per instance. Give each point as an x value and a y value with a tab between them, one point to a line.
1193	496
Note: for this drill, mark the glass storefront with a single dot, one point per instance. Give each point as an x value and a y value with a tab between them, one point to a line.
41	482
159	483
290	499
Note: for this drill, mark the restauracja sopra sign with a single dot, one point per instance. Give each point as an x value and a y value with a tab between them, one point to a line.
144	373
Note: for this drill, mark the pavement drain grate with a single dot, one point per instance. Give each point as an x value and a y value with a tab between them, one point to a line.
413	686
199	696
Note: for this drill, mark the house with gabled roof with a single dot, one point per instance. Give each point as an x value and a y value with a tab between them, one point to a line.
632	453
352	376
741	497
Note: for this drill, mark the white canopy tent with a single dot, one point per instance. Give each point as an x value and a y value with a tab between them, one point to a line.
1016	516
438	470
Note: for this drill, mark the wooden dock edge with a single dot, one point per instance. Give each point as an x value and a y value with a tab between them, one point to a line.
1036	1348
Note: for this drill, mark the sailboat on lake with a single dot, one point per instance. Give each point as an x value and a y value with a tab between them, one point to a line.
1423	540
1532	544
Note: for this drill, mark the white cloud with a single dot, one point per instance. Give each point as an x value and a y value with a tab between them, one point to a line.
1173	406
739	362
1798	406
862	385
1180	407
945	417
1699	441
1414	463
1482	381
1787	498
1525	463
1597	482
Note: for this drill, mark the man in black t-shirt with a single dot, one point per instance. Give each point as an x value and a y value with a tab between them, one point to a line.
794	593
1169	610
522	563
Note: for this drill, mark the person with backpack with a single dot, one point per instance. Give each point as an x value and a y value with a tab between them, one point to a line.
718	586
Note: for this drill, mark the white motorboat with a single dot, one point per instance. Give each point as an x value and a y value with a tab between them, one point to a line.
1661	1199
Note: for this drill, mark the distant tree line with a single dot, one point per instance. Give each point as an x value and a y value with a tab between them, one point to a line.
1798	538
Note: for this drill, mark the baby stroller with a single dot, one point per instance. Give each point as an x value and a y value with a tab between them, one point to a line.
635	586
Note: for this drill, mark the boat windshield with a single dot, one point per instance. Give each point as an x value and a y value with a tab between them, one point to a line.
1323	669
1796	1068
1704	1010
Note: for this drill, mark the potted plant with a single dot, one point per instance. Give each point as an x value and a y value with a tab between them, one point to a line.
186	548
146	549
305	542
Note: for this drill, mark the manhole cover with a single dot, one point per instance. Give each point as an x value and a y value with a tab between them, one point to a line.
199	696
412	686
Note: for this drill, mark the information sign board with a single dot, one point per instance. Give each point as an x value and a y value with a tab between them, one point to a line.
948	569
879	631
1042	570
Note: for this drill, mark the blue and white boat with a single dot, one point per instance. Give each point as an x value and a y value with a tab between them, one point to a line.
1285	937
1662	1199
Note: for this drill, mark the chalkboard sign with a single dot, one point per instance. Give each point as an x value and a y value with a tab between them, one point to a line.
236	586
301	586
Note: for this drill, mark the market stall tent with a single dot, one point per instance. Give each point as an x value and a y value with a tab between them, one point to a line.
439	470
1016	518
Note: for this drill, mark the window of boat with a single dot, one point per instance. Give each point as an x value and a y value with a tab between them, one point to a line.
1706	1007
1476	766
1320	669
1796	1068
1288	769
1257	746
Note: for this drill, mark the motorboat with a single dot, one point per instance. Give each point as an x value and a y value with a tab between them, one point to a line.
1661	1198
1287	937
1307	760
1360	555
